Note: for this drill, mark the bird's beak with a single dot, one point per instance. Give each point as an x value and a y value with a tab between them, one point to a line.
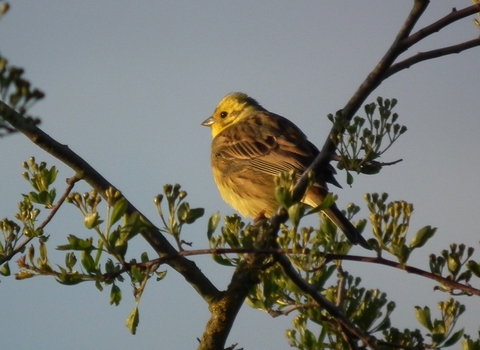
208	122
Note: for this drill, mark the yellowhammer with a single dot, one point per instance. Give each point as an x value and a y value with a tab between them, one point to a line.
251	146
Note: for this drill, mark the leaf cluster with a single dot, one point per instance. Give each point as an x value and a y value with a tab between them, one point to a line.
364	140
16	90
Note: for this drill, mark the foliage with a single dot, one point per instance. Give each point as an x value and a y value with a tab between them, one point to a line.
300	269
361	144
16	90
103	258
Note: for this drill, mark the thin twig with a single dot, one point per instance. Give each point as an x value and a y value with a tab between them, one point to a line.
428	55
453	16
315	294
71	182
410	269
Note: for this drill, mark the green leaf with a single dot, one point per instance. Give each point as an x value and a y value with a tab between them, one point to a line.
113	237
24	274
115	295
424	317
121	246
109	266
349	178
438	338
70	260
87	262
161	275
283	196
453	264
44	198
296	212
132	320
219	259
91	220
98	285
422	236
137	275
144	257
5	270
52	175
69	279
182	212
212	224
33	197
133	224
194	214
43	250
255	303
119	209
76	243
474	267
51	196
454	338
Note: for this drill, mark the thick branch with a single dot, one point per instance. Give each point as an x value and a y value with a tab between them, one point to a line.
188	269
245	277
225	310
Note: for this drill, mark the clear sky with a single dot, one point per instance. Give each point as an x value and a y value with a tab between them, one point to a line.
127	85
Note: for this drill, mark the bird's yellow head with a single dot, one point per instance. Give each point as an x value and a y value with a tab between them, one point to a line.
231	109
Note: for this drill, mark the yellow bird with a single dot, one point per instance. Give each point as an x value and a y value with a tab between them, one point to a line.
251	146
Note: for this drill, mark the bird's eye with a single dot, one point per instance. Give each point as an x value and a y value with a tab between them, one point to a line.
223	115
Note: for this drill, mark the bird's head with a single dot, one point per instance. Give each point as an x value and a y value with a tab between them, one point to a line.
231	109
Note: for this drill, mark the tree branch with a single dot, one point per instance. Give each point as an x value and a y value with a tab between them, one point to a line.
373	80
224	306
246	275
71	182
333	310
440	24
428	55
410	269
225	310
188	269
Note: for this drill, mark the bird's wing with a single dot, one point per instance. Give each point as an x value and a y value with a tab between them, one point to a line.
268	143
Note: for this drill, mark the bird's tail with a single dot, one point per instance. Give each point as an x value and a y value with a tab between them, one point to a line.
315	196
346	226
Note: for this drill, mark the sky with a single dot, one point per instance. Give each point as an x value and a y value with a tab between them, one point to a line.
127	85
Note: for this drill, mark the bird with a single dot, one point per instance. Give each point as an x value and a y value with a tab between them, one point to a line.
251	146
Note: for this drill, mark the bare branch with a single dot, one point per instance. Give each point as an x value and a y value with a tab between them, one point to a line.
440	24
428	55
225	310
410	269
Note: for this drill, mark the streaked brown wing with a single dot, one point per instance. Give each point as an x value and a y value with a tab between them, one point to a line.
268	143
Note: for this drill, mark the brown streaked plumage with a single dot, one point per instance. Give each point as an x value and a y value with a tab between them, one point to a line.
251	146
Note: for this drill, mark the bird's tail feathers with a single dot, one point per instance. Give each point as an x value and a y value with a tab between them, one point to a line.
334	214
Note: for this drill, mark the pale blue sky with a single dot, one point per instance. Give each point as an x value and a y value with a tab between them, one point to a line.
127	85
